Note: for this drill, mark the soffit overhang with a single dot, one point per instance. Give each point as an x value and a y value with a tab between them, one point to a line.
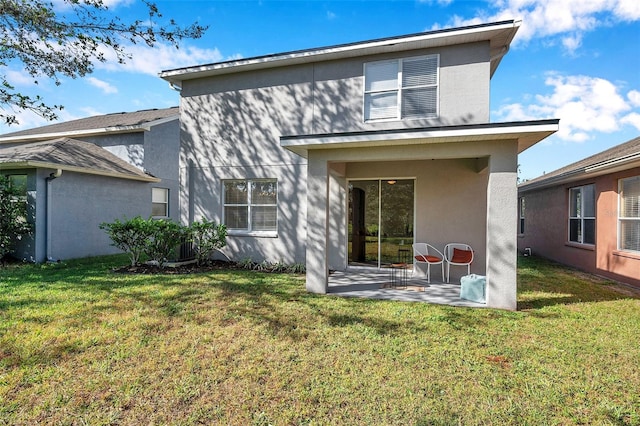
499	35
526	133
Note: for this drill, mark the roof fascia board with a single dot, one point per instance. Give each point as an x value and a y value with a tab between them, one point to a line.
536	131
89	132
64	167
395	44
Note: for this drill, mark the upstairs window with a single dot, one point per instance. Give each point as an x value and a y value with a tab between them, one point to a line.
251	206
401	88
629	216
582	214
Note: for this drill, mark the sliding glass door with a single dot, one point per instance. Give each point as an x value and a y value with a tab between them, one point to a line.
381	218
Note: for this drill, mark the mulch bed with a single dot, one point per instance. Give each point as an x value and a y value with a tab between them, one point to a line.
190	268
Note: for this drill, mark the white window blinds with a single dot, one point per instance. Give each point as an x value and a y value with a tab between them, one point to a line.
404	88
629	220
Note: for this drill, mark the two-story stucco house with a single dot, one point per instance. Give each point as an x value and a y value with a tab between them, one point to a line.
348	154
78	174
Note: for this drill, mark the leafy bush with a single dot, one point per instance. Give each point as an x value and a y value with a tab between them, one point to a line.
207	237
164	236
131	236
12	216
157	239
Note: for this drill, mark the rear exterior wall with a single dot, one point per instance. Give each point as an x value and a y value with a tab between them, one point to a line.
231	127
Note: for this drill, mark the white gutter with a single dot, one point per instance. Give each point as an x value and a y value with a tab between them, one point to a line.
612	163
45	165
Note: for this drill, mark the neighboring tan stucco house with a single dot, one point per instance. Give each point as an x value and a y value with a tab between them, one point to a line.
587	214
78	174
347	154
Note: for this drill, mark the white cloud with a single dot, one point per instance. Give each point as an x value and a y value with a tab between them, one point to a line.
634	98
331	15
567	19
19	78
152	60
632	119
28	119
102	85
583	104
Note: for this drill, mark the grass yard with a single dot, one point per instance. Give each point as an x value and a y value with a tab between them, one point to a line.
82	345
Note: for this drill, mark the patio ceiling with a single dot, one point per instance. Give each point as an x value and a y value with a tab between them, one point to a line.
527	133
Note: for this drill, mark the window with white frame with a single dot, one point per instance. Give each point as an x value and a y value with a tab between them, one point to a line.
629	214
251	205
521	215
401	88
582	214
159	202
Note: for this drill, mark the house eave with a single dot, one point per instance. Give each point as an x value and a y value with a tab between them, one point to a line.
499	35
526	133
588	172
64	167
145	127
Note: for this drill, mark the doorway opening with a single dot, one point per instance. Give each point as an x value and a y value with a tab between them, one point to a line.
381	221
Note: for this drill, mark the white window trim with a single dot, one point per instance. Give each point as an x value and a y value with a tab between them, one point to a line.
621	219
166	204
399	90
582	218
249	232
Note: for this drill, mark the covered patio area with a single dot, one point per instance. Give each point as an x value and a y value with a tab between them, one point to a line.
460	187
373	283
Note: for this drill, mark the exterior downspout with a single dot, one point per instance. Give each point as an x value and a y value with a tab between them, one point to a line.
51	177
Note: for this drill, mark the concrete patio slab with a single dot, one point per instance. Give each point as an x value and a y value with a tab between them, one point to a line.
373	283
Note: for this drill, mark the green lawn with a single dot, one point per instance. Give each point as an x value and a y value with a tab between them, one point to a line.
82	345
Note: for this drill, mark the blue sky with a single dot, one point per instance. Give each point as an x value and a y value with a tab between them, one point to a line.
575	60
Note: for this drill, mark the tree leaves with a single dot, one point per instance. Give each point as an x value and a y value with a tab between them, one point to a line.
66	39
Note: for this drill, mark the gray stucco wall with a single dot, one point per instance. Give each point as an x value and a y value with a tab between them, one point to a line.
231	125
80	202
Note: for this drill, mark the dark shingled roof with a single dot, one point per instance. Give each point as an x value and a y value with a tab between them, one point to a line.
115	120
72	155
627	150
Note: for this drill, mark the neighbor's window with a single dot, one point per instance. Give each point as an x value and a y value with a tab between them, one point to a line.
629	216
401	88
521	215
582	214
159	202
251	205
19	183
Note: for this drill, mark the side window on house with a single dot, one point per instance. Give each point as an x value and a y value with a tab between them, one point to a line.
582	214
159	202
19	183
401	88
629	216
251	205
521	215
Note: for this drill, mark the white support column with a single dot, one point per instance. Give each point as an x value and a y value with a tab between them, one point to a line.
502	210
317	225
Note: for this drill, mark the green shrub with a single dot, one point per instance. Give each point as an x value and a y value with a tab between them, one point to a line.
207	237
131	236
165	235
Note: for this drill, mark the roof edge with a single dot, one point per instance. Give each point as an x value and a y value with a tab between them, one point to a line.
330	52
64	167
144	127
